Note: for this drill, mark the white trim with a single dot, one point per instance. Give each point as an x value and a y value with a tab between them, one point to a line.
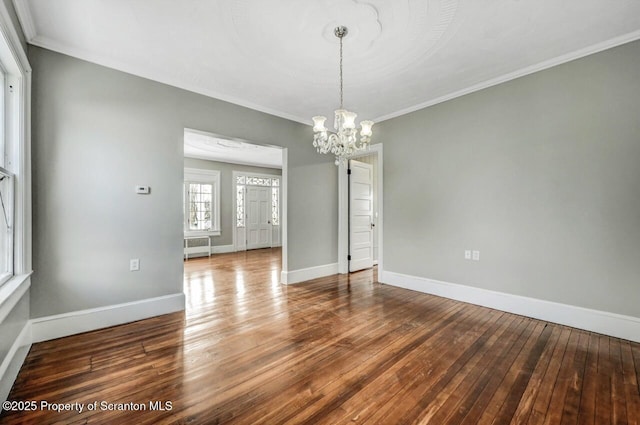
222	249
155	75
61	325
14	39
18	139
302	275
283	212
343	209
616	325
212	177
201	175
13	361
234	200
11	292
25	16
531	69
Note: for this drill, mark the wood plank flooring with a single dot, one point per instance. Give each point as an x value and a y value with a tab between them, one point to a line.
336	350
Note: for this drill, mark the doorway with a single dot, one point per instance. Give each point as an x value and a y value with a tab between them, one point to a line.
258	210
225	155
375	222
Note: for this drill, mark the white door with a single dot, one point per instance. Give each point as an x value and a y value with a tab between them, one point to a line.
360	215
258	204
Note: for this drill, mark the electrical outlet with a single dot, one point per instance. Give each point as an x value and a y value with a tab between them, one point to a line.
467	255
134	264
476	255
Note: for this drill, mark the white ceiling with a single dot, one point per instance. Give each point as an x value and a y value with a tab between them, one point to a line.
201	145
281	57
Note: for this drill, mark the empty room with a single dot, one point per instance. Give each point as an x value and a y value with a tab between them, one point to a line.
320	212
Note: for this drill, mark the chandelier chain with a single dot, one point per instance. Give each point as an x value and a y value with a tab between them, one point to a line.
341	85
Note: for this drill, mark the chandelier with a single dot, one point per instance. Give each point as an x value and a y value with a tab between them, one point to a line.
344	141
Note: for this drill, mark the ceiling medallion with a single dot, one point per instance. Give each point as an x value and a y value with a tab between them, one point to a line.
344	141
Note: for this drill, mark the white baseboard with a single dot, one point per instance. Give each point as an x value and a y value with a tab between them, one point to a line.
13	361
617	325
222	249
60	325
301	275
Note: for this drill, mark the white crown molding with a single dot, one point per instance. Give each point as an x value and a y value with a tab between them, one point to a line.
541	66
302	275
616	325
26	18
153	75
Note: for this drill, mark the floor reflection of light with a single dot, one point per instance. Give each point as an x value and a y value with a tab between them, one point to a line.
240	287
275	282
199	289
195	296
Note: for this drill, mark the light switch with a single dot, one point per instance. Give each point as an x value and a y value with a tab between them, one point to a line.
134	264
143	190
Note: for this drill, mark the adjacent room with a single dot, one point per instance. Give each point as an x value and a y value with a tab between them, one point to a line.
320	212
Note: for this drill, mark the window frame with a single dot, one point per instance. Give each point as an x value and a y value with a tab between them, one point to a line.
8	206
16	153
212	177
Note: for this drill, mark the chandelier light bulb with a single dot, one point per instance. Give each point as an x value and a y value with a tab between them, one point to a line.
366	128
318	123
349	120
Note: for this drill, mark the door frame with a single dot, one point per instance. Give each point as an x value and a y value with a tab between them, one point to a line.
236	173
343	210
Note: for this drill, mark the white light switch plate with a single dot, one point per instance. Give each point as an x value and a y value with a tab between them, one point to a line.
134	264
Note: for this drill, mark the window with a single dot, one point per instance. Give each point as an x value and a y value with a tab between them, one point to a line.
275	206
6	225
200	197
201	202
240	205
15	86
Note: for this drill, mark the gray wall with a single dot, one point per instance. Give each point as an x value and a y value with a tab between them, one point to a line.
541	174
227	209
97	133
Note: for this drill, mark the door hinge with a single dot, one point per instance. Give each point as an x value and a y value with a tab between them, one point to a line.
348	170
348	258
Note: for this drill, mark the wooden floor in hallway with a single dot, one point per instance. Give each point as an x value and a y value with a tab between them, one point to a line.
335	350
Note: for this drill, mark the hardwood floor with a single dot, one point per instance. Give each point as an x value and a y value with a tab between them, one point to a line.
336	350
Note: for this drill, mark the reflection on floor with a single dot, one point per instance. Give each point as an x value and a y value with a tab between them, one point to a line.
336	350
